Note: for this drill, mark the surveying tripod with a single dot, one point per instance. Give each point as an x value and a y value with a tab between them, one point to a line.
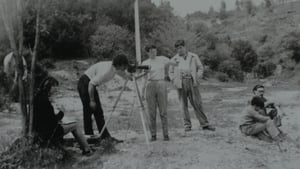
138	94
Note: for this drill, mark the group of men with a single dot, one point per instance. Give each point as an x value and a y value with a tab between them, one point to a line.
184	70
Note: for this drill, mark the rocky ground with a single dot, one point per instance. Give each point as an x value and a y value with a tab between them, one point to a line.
226	148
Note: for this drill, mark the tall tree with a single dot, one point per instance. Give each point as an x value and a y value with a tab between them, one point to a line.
211	11
12	15
223	13
238	5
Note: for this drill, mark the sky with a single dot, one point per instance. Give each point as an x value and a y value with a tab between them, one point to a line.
183	7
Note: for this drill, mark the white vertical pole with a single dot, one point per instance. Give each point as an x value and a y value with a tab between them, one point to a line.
137	33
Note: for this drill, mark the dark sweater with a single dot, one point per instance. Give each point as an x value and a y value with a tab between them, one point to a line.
45	122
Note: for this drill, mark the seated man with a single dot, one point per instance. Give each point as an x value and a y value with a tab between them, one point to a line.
271	109
47	124
254	122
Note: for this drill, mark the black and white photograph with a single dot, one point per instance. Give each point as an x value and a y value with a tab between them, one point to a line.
149	84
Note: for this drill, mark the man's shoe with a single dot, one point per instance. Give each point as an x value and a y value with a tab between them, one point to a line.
166	138
210	128
153	138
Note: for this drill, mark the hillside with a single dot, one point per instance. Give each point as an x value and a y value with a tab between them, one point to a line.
274	36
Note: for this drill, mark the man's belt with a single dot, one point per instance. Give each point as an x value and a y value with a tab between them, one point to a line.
186	75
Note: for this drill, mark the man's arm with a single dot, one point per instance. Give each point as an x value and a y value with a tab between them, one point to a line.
200	68
25	69
124	75
259	117
91	90
169	64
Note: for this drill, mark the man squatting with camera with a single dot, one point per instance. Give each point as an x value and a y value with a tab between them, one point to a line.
97	75
156	89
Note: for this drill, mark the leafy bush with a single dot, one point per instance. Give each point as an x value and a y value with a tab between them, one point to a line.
24	154
265	53
212	59
47	63
4	89
265	69
222	77
233	69
245	54
111	40
291	42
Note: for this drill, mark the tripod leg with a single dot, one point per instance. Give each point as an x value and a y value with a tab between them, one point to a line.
143	111
114	107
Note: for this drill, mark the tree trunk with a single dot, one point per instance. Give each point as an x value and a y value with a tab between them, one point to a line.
8	20
33	63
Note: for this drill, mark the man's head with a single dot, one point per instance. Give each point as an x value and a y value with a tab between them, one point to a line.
120	62
258	103
180	47
151	51
258	90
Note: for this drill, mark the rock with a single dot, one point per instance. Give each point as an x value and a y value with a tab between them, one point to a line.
61	74
82	62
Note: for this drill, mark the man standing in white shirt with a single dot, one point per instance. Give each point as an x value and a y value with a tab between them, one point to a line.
186	79
10	69
97	75
156	89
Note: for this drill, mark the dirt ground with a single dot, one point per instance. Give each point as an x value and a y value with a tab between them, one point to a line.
226	148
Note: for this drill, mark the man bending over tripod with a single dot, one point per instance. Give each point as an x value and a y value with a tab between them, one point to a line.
97	75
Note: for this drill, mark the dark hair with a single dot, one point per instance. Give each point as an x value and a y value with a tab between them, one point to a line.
256	87
257	101
149	47
120	60
45	85
179	43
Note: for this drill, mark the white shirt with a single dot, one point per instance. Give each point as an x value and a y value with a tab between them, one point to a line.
157	67
9	65
101	73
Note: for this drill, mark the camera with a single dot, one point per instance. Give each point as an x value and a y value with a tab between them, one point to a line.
132	68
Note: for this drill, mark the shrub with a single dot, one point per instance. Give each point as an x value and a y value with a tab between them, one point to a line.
212	59
245	54
265	69
47	63
111	40
207	72
4	89
265	53
291	42
222	77
233	69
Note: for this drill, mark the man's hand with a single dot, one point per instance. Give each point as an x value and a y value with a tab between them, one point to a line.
93	105
167	78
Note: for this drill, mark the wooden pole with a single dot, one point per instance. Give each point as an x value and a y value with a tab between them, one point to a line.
137	33
32	84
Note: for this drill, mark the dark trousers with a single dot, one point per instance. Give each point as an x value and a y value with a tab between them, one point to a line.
82	87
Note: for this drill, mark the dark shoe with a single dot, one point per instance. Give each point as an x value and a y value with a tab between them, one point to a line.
210	128
114	140
166	138
153	138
